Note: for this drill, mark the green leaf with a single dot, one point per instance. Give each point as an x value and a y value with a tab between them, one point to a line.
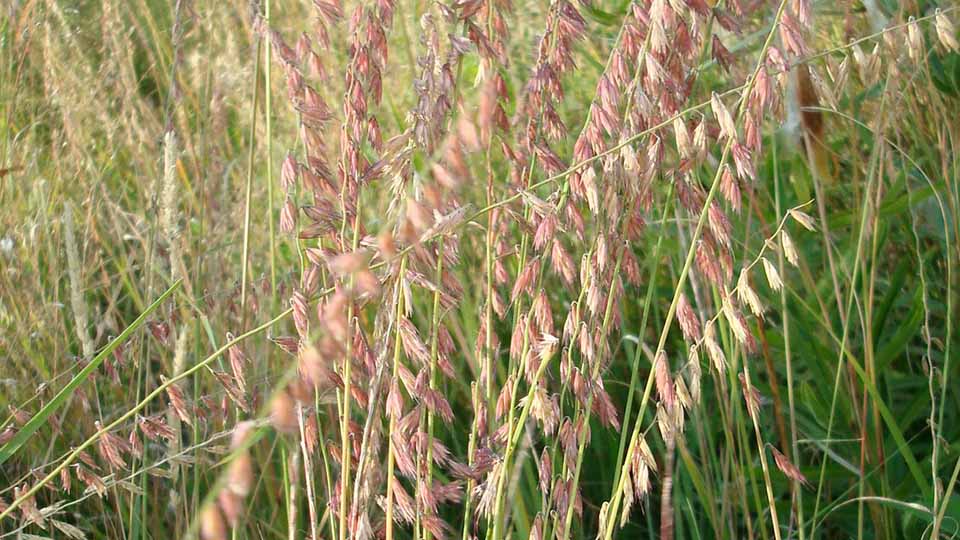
943	72
893	427
906	329
916	522
600	16
9	449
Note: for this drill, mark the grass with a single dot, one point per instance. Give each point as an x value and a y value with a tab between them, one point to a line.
478	270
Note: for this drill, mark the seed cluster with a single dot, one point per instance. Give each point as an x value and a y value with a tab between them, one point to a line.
493	238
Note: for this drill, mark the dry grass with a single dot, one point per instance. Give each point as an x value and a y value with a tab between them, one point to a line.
478	270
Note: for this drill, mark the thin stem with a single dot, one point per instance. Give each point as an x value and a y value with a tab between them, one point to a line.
268	117
434	354
864	216
761	449
245	256
397	345
72	456
788	356
638	352
308	473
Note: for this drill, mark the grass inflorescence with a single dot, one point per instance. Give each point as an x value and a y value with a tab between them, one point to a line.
478	269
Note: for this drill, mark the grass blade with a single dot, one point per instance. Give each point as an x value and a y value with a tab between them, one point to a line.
9	449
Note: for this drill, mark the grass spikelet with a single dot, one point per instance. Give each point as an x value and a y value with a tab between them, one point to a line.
512	240
77	303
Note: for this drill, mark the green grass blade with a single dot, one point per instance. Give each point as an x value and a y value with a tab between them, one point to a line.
9	449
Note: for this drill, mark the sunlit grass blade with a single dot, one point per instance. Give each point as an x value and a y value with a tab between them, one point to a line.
24	434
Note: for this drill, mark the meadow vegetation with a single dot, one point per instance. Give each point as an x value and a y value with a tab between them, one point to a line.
479	269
